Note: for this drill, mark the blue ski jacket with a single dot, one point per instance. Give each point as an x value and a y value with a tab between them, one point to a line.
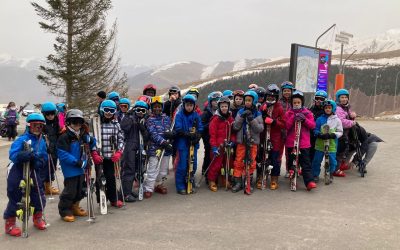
183	123
157	125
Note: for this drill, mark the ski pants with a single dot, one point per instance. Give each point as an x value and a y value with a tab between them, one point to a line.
11	131
305	163
316	163
216	165
182	168
239	163
15	195
72	193
109	174
274	161
207	156
156	176
48	173
128	171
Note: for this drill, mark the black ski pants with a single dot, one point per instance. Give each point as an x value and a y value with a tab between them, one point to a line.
72	193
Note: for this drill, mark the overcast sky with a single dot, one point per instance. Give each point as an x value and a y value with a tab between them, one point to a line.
207	31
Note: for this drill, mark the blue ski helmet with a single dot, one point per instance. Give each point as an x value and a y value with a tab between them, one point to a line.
141	104
253	95
35	117
287	85
341	92
113	96
228	93
107	105
298	94
48	107
60	107
321	93
125	101
330	103
214	96
189	99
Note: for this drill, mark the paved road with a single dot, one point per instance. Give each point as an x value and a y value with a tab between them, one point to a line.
352	213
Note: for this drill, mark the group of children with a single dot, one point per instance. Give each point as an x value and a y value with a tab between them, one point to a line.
240	130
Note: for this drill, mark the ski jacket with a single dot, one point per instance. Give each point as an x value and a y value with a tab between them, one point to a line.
70	152
157	125
183	123
235	109
130	128
286	105
344	115
306	127
61	120
220	127
205	120
317	111
52	131
276	128
335	126
11	117
170	107
111	130
39	151
256	126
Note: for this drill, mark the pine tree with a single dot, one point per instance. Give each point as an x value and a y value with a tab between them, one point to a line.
84	60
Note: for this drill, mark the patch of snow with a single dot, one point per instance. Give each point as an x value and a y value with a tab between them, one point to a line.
169	66
207	71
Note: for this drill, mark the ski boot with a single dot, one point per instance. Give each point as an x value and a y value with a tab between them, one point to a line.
147	195
161	189
48	189
130	198
259	181
251	183
117	204
182	192
274	183
311	185
78	211
38	221
11	228
238	184
212	186
69	218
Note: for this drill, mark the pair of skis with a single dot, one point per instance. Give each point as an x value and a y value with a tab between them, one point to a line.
89	182
266	166
142	174
100	178
227	171
247	160
295	167
189	178
325	130
359	155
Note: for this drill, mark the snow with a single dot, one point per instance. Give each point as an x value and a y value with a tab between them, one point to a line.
169	66
208	71
388	117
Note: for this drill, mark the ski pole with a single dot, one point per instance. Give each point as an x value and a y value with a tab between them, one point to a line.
202	175
51	183
40	198
55	172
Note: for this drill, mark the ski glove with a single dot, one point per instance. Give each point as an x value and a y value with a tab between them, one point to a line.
116	156
245	113
268	120
169	134
25	156
97	159
250	117
324	136
215	151
196	138
81	164
167	146
332	136
299	117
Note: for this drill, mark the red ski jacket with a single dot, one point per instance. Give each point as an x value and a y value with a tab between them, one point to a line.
219	129
278	115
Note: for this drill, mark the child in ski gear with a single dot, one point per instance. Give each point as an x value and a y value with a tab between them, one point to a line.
221	138
12	120
52	132
37	159
113	96
124	106
158	124
228	93
149	90
109	128
368	144
317	109
238	102
131	124
73	160
209	111
335	131
261	96
287	89
253	118
299	113
347	116
274	118
195	92
173	102
61	110
185	121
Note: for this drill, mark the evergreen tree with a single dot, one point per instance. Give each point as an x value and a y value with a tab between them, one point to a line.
84	60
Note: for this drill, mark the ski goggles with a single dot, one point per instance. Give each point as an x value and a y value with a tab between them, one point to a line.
173	91
115	99
156	99
318	98
238	92
123	106
109	110
76	121
49	113
36	125
141	110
